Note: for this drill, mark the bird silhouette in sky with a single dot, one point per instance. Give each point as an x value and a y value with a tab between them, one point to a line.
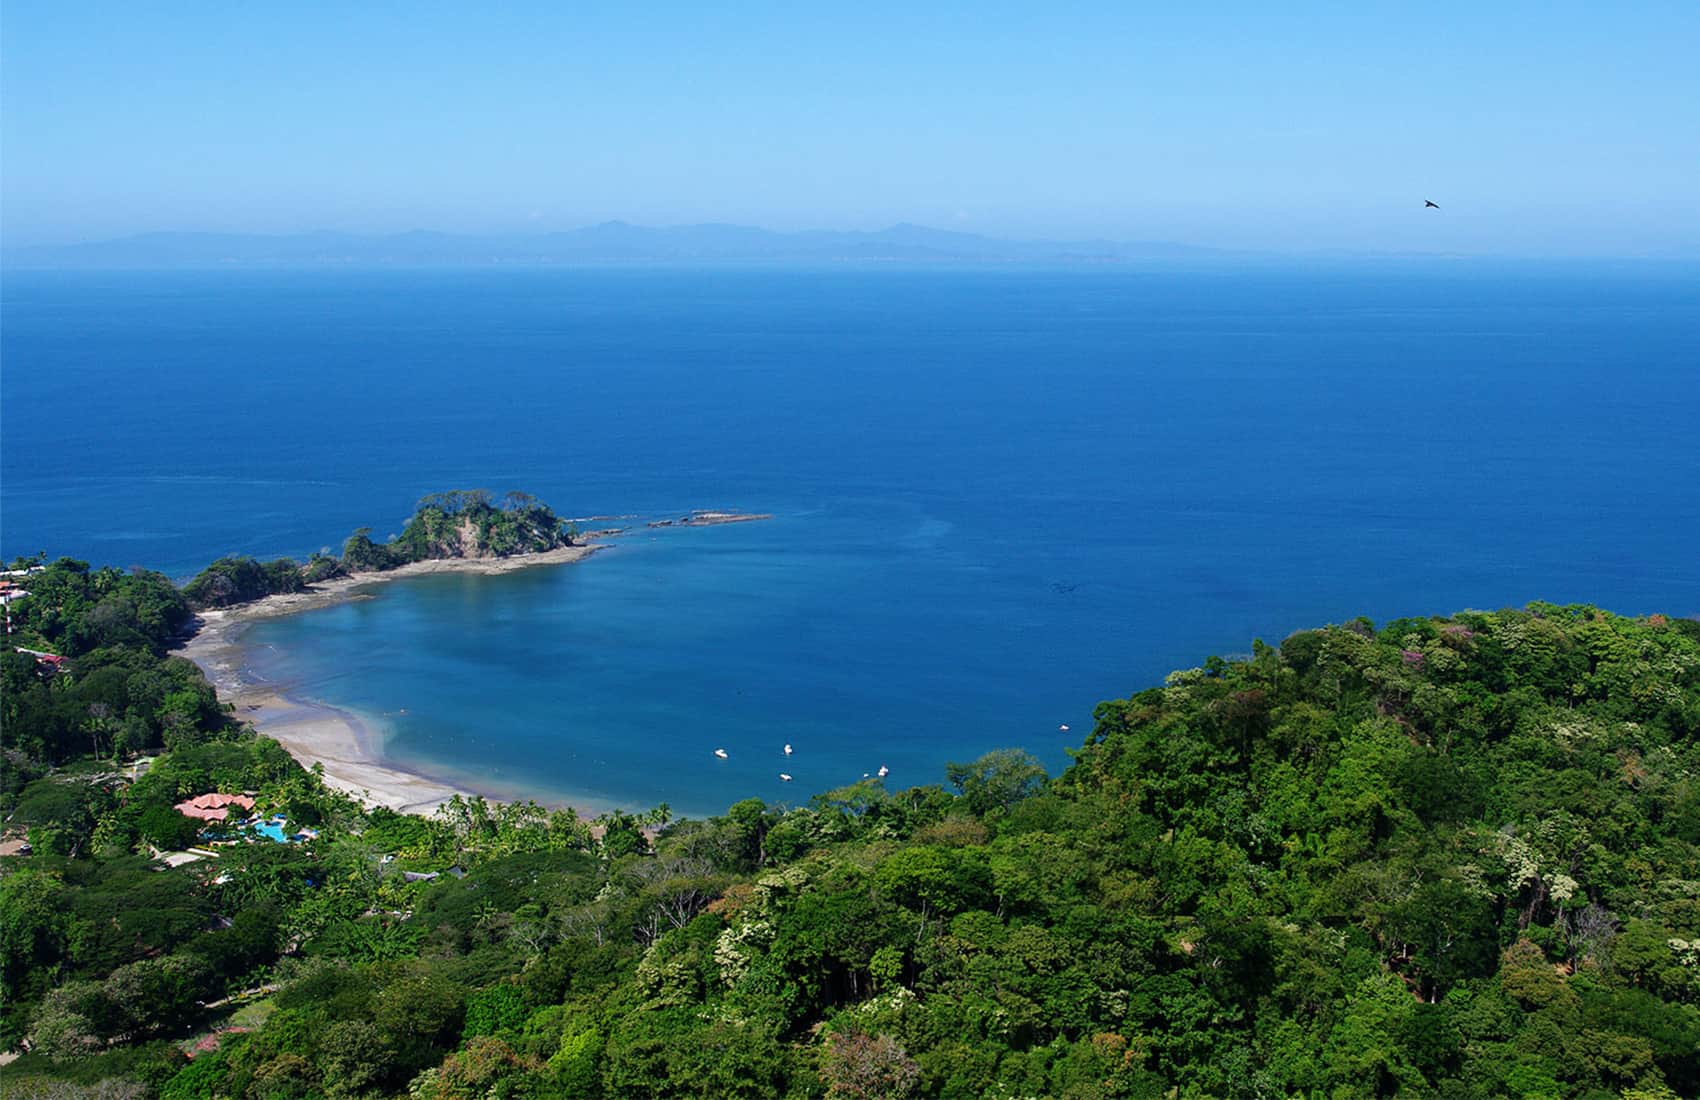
1427	205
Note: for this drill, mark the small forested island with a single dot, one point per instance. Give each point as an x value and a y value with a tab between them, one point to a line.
1454	857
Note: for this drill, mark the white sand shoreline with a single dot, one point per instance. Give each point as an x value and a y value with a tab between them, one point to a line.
314	732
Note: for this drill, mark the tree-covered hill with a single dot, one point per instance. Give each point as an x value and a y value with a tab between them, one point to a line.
1444	857
470	525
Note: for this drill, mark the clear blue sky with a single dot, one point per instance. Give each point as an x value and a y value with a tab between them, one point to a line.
1542	128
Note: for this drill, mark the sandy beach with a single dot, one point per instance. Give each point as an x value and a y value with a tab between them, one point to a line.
315	733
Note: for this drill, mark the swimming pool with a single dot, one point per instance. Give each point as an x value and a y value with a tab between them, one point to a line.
271	830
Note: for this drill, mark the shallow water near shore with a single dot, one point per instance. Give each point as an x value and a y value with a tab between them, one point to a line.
999	496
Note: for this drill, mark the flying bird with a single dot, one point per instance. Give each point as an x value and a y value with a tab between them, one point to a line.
1430	205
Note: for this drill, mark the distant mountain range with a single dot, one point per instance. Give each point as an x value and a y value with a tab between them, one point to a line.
610	242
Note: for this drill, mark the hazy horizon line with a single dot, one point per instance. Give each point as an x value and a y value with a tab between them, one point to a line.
619	240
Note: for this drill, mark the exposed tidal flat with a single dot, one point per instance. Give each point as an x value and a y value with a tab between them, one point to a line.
999	496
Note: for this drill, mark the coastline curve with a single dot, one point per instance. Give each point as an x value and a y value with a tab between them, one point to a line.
341	742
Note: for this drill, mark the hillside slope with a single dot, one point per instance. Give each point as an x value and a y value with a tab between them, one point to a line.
1447	857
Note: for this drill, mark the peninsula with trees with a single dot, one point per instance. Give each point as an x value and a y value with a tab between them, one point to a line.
461	525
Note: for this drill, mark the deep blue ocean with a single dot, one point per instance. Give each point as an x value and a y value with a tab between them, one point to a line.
1001	495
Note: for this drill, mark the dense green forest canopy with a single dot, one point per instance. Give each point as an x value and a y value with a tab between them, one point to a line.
1454	857
466	523
118	692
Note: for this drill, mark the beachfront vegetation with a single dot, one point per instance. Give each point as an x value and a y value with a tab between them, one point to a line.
229	581
1449	857
467	523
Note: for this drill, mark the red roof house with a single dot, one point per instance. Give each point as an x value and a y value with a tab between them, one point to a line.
213	807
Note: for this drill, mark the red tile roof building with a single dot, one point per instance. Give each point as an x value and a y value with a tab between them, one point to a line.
213	807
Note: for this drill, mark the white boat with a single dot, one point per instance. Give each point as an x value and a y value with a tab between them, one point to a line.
720	753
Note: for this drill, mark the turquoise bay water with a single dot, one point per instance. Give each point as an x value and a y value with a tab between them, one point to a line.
1000	496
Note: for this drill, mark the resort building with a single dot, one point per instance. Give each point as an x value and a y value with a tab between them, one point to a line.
213	807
